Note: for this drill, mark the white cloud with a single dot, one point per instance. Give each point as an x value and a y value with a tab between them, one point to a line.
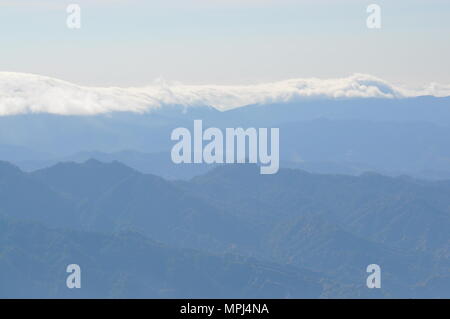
28	93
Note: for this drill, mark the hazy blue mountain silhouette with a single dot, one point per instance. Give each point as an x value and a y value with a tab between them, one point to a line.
333	224
150	163
391	136
113	197
400	222
418	109
403	212
33	260
25	198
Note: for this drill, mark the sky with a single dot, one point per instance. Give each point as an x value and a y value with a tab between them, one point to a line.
226	42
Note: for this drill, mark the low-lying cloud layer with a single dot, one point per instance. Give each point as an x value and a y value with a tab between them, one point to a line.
28	93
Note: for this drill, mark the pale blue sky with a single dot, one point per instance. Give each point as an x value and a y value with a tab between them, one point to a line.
226	42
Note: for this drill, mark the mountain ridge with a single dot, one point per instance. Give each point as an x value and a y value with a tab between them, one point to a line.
291	218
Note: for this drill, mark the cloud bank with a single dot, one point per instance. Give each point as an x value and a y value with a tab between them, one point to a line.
28	93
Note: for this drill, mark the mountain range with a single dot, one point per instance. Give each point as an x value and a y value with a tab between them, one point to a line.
399	136
293	234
